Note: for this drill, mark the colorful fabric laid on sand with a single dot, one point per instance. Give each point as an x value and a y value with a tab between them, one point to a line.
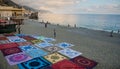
38	37
70	53
7	35
15	39
36	41
8	45
36	53
64	45
52	49
85	62
48	39
36	63
10	51
54	57
27	48
20	35
3	38
4	41
45	44
66	64
28	38
24	43
17	58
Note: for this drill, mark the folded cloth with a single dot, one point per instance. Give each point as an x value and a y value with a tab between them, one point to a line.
44	44
15	39
70	53
24	43
3	38
85	62
10	51
8	45
64	45
54	57
17	58
66	64
36	53
36	63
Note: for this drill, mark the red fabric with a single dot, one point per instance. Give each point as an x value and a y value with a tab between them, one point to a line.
66	64
24	43
8	45
3	38
10	51
28	38
85	62
2	21
9	34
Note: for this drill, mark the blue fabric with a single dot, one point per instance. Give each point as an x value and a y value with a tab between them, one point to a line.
27	48
36	53
64	45
45	44
36	63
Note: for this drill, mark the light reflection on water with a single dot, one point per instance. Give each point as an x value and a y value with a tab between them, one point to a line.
92	21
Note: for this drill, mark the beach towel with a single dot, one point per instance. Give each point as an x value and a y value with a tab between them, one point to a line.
3	38
54	57
24	43
17	58
36	41
20	35
10	51
44	44
4	41
15	39
66	64
36	53
27	48
52	49
8	45
36	63
48	39
85	62
7	35
28	38
64	45
38	37
70	53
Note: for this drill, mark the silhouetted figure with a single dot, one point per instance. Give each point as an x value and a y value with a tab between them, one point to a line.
118	31
54	33
68	25
45	25
75	25
111	33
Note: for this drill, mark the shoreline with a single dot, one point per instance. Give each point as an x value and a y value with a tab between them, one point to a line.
94	44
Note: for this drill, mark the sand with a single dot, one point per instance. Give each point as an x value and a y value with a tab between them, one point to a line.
94	44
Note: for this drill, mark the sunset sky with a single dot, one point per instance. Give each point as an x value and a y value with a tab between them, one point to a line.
74	6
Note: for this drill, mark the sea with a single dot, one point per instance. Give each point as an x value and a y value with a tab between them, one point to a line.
103	22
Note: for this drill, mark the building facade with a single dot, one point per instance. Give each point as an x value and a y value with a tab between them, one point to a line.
6	11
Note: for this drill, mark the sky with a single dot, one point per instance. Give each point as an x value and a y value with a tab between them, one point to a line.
74	6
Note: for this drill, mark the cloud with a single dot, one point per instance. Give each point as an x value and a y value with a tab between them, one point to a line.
71	6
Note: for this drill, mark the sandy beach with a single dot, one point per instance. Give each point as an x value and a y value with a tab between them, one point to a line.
95	45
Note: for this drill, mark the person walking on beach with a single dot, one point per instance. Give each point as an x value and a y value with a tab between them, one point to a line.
111	33
45	25
54	33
